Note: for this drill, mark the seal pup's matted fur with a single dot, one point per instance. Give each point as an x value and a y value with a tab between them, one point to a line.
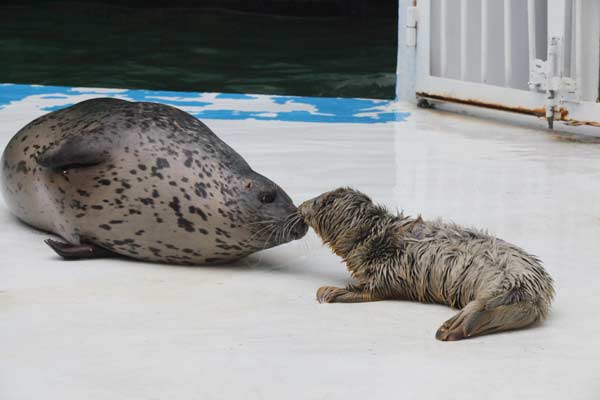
497	285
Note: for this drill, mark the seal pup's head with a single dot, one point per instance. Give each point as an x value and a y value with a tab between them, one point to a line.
341	217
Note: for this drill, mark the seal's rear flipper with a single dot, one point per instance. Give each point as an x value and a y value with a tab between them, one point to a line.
76	151
70	251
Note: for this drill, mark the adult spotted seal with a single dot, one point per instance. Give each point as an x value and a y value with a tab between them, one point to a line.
497	285
143	180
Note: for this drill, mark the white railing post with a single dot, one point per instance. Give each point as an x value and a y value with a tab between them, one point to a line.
578	47
507	43
531	37
443	39
484	40
463	39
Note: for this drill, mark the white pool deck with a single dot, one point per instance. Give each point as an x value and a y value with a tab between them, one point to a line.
117	329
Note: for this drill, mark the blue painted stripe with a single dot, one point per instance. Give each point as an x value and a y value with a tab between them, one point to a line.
216	105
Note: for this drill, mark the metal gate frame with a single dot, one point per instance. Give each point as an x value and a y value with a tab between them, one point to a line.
554	103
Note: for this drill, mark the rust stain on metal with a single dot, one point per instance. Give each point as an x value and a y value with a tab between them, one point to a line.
580	123
538	112
564	114
561	115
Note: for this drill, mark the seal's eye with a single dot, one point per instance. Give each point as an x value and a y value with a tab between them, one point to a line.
267	197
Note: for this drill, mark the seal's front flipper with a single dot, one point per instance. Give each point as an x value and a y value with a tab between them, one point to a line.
70	251
76	151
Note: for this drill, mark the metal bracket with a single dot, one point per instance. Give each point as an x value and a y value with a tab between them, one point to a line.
547	76
544	76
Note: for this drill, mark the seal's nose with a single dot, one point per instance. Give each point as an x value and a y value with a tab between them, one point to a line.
299	230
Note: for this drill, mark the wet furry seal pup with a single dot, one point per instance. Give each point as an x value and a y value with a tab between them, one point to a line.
143	180
497	285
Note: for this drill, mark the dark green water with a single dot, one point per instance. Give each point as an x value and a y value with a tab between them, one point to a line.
76	44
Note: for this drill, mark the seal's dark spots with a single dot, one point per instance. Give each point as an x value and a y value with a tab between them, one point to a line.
162	163
142	167
104	182
21	167
249	185
196	210
188	158
199	189
104	226
267	197
185	224
174	204
122	242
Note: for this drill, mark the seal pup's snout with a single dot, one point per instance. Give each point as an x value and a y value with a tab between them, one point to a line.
305	209
309	208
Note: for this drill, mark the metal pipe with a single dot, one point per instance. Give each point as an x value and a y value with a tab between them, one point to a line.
484	41
578	47
443	39
507	43
463	39
531	37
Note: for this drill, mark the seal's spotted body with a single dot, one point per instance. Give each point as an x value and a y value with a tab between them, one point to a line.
143	180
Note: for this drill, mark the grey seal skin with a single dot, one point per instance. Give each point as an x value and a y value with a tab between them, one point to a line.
497	285
143	180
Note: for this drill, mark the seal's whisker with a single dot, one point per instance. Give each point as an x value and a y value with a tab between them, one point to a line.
292	224
261	231
269	238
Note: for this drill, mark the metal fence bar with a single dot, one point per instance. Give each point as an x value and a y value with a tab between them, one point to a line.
507	43
531	37
463	39
443	38
578	46
484	40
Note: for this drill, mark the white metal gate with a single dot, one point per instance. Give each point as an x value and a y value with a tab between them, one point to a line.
535	57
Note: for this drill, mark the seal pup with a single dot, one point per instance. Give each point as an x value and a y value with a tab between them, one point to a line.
143	180
497	285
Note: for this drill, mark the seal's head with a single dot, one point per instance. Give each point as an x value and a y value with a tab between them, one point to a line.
340	216
268	212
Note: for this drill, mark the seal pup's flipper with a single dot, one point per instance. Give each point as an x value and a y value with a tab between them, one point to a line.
480	317
352	294
76	151
70	251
